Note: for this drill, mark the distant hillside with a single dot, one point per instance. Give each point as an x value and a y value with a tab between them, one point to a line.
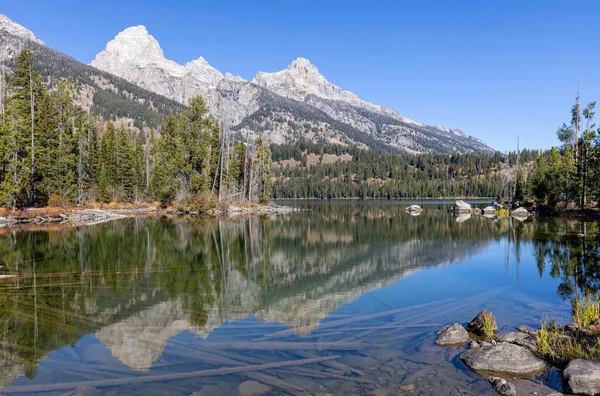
326	171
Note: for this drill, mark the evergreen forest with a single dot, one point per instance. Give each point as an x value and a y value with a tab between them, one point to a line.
53	152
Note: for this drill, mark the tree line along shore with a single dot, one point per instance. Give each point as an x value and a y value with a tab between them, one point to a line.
55	154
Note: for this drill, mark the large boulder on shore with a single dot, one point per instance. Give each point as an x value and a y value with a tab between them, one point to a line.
582	377
461	207
452	335
503	358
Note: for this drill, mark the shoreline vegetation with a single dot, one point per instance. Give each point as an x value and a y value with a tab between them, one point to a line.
573	348
55	153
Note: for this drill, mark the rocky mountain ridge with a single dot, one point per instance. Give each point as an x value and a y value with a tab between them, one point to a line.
99	92
295	104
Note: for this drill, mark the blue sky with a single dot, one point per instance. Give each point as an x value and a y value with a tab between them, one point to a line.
495	69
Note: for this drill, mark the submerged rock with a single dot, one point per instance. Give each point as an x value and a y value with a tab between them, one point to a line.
452	335
582	377
503	358
477	325
502	386
252	388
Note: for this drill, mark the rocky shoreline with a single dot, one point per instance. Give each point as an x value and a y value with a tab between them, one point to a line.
519	354
78	217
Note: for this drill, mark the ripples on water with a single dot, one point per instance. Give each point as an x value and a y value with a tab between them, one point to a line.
342	299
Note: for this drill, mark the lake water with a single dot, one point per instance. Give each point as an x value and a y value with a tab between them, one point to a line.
344	298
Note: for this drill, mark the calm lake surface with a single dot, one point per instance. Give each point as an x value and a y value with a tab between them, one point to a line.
154	306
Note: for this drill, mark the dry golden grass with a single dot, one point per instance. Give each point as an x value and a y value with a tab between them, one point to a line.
488	325
586	311
559	348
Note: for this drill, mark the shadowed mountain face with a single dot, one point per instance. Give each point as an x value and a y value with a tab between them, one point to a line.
136	283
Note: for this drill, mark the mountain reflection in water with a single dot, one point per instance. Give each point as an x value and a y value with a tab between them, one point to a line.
142	284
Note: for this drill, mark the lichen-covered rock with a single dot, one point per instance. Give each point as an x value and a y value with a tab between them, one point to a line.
452	335
582	377
502	386
503	358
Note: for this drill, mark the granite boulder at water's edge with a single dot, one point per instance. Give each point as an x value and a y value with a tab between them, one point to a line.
505	358
582	377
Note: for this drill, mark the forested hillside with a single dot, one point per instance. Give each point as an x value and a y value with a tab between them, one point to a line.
53	151
325	171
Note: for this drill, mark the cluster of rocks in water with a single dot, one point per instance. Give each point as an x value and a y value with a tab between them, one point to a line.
463	209
513	354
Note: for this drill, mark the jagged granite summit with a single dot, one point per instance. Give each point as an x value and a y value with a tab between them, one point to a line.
136	56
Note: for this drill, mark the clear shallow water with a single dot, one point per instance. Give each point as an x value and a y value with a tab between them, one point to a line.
176	306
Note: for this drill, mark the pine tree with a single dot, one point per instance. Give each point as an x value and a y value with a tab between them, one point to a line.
26	93
124	185
170	163
264	169
61	146
107	164
586	152
139	168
